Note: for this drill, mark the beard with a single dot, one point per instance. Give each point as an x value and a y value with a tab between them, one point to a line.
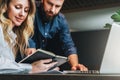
50	17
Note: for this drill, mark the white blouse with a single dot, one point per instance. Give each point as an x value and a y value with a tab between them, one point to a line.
7	59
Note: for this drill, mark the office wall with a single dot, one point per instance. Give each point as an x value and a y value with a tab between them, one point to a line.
90	19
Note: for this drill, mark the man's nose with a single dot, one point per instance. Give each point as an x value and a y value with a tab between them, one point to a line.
53	9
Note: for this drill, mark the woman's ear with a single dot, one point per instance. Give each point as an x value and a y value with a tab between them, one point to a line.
41	1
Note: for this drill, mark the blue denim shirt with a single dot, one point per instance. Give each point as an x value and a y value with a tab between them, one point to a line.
52	34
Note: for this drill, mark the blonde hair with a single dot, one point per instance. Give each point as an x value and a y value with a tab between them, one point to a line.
23	32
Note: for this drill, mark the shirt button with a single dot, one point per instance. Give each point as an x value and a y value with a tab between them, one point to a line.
46	34
43	40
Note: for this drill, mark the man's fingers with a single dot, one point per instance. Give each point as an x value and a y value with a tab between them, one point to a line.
79	67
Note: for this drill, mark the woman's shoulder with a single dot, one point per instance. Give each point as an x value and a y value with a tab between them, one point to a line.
1	36
0	28
1	31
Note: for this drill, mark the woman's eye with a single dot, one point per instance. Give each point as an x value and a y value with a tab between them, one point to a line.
26	10
17	7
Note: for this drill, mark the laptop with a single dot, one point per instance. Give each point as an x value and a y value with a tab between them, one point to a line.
110	61
111	58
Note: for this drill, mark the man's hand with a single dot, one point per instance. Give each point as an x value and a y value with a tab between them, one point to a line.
80	67
73	59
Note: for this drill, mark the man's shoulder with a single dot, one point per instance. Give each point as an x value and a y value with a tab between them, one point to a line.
61	15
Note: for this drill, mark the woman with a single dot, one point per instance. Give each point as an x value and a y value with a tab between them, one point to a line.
16	26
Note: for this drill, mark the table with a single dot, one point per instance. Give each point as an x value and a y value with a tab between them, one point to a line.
61	77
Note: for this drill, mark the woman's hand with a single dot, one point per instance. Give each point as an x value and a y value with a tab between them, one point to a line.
43	66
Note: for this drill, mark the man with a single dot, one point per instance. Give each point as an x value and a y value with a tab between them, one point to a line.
51	31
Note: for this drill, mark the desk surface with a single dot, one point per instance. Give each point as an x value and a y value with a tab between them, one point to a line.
61	77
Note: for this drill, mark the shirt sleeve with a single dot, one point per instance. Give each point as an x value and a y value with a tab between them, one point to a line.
7	59
11	67
65	36
31	43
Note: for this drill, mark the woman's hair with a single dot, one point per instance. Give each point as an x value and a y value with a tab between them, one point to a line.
23	32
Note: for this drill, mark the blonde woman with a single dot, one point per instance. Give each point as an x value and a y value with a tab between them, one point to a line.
16	26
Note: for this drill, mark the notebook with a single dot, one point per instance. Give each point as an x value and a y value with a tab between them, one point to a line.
110	63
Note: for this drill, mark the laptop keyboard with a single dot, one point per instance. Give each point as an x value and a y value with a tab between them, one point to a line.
81	72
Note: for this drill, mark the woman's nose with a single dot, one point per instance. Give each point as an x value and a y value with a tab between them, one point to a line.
22	13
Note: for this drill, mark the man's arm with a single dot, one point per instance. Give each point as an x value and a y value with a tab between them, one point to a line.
73	59
69	46
32	43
